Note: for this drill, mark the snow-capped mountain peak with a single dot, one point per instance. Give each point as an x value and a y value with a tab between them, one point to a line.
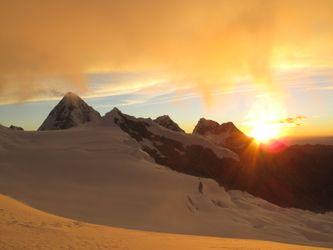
224	134
71	111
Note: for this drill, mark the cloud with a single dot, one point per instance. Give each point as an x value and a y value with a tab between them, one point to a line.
297	120
210	44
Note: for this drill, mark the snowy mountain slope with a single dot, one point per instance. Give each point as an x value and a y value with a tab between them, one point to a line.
97	173
71	111
23	227
142	128
167	122
185	153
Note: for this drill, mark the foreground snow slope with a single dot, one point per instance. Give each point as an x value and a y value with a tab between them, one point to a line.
98	174
22	227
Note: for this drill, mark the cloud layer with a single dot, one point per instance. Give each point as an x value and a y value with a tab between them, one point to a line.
50	46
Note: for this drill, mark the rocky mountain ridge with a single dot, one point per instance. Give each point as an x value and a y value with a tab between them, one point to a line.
295	176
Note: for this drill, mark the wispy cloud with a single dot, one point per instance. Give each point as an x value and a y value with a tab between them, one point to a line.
297	120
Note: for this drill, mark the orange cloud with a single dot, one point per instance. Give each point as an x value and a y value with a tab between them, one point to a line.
208	43
297	120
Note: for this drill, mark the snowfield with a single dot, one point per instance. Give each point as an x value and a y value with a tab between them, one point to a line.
23	227
98	174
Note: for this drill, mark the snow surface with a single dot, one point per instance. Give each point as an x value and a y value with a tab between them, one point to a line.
97	173
23	227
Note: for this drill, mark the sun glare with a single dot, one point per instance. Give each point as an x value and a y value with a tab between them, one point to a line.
264	132
264	118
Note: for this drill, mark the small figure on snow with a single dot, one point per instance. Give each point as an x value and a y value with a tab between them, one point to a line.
200	187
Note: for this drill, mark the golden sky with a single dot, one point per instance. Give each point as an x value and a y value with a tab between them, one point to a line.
208	46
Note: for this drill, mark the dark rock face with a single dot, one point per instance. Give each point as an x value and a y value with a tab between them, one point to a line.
71	111
167	122
16	128
299	176
225	134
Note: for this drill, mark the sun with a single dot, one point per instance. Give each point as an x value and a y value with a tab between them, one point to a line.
264	119
264	132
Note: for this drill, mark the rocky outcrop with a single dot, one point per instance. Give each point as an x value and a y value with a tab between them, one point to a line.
12	127
167	122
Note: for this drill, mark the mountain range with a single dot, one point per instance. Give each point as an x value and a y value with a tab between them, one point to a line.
140	173
296	176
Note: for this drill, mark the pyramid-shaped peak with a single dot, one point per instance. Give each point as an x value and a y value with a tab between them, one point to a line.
71	111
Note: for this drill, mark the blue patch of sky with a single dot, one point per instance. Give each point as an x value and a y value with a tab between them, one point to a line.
27	115
307	94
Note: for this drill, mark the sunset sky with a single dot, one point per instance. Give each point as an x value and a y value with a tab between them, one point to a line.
241	61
